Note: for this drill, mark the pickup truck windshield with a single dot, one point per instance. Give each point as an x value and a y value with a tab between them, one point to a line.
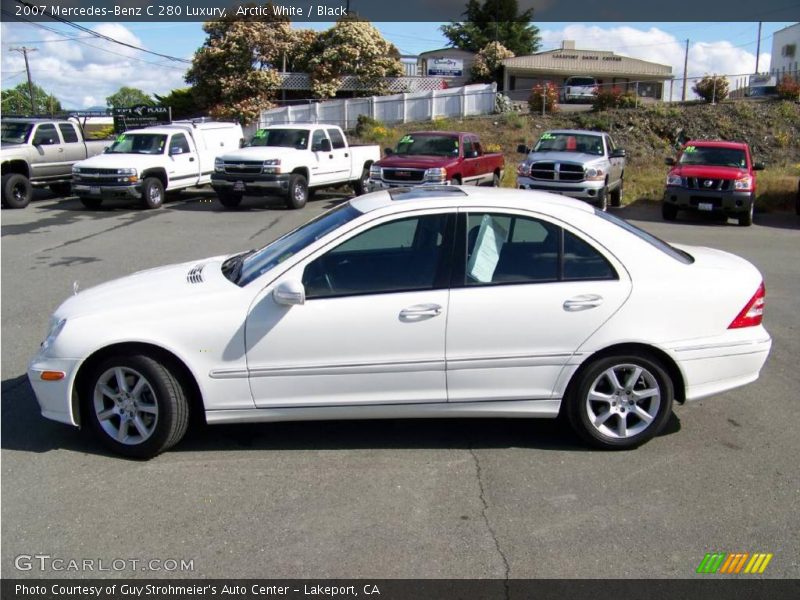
257	263
428	145
16	133
284	138
717	157
570	142
139	143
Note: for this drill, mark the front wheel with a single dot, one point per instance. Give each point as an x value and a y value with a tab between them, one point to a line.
17	190
616	195
230	199
669	211
152	193
619	402
136	406
746	219
602	199
297	195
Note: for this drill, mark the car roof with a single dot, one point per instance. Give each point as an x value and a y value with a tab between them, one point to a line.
575	131
716	144
442	133
432	196
33	120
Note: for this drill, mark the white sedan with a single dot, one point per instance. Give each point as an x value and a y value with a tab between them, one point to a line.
431	302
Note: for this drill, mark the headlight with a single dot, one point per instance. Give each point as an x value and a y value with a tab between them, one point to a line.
126	171
674	180
219	165
743	183
524	169
55	328
437	174
272	167
594	174
75	170
374	172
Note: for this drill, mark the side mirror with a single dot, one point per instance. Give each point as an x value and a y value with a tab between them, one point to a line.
618	153
388	151
325	146
289	293
523	149
669	161
174	151
759	166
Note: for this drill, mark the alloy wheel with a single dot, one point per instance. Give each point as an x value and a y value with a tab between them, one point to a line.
125	405
623	401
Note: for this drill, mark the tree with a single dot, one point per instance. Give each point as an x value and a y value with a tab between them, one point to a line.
17	100
494	21
128	96
235	73
184	103
712	88
489	62
352	47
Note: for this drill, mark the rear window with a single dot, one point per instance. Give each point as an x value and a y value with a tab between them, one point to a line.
671	251
581	81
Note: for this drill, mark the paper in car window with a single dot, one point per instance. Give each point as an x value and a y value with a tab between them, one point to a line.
490	240
690	149
120	138
261	133
406	139
547	136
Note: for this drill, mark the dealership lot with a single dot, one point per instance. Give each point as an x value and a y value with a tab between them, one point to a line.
398	499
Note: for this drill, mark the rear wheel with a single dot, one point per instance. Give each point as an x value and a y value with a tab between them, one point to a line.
455	180
61	189
17	190
616	195
152	193
297	195
91	203
136	406
620	401
669	211
496	180
229	199
360	186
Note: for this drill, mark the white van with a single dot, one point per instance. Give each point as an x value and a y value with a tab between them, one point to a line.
144	164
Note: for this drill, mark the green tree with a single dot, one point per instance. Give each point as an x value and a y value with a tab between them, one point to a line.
236	72
489	62
352	47
712	88
184	103
128	96
17	100
494	21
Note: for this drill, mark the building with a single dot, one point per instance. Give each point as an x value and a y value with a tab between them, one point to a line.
786	53
521	73
451	64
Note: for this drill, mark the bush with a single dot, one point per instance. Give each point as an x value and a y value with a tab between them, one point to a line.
547	94
712	88
788	88
613	98
372	130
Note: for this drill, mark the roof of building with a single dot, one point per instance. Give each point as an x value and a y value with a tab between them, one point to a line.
588	61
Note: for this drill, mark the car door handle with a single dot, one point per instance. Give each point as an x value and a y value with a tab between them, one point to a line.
60	149
583	302
346	155
330	155
191	159
420	311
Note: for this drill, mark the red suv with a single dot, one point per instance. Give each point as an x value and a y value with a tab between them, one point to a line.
712	176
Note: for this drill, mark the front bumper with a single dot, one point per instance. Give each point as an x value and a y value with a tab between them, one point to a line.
107	191
252	185
728	202
374	185
590	191
54	397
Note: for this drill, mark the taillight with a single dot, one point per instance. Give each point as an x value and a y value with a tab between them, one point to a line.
753	311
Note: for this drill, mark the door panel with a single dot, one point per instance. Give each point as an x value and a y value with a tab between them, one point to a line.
184	167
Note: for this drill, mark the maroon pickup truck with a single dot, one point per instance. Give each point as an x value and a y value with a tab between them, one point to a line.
437	157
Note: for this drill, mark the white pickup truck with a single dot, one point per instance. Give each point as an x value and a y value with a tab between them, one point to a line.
292	161
144	164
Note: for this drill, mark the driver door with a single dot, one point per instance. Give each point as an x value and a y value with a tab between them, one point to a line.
52	161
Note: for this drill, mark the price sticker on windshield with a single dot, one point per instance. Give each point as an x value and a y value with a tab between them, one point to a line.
406	139
120	138
690	149
547	136
261	133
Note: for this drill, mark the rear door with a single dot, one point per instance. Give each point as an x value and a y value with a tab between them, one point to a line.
617	164
74	148
342	162
183	165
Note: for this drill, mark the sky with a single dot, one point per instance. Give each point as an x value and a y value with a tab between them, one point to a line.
81	71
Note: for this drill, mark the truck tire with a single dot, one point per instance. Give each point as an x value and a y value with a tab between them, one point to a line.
17	191
616	195
669	211
297	196
152	193
360	185
61	189
91	203
456	180
602	199
746	218
229	199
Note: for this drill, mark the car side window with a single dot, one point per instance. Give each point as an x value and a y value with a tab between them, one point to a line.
68	133
468	146
316	140
180	142
610	144
337	140
46	134
401	255
582	261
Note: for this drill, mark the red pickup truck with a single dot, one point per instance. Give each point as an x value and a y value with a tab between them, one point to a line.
437	157
712	176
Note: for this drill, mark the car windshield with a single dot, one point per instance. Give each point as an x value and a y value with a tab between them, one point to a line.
258	263
570	142
139	143
581	81
428	145
717	157
16	133
284	138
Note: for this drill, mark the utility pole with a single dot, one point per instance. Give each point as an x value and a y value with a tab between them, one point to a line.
685	68
24	52
758	45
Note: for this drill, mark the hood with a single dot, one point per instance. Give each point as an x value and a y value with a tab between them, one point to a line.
260	153
6	148
121	161
568	157
400	161
170	284
709	172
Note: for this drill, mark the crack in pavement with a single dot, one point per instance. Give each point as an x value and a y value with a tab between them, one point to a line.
482	495
267	228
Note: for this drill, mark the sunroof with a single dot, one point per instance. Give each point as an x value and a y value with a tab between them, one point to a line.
425	191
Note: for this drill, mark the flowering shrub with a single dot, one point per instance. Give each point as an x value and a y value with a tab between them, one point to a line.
613	98
489	61
547	94
712	88
788	88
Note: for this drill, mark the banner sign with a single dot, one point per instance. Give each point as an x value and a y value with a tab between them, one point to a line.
136	117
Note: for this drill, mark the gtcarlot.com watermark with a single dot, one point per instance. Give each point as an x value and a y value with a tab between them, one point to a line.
49	563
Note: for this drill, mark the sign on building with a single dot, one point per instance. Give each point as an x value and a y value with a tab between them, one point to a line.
445	67
135	117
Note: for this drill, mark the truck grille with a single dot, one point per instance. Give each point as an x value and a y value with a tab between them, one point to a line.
88	176
404	175
701	183
550	171
243	167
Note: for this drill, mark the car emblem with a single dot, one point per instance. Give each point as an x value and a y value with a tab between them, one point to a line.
708	183
403	173
241	166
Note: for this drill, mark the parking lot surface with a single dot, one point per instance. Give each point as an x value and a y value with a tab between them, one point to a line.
395	499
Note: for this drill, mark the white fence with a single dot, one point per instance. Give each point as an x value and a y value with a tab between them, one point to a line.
399	108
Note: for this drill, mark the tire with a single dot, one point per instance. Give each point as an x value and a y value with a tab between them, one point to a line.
297	196
602	199
91	203
139	425
669	211
495	180
602	407
360	185
152	193
61	189
455	180
230	199
17	191
797	200
746	219
616	195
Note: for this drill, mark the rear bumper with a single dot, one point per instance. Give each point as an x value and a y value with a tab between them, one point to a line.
728	202
107	191
263	186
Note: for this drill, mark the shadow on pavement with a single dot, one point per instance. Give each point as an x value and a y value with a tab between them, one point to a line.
649	211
